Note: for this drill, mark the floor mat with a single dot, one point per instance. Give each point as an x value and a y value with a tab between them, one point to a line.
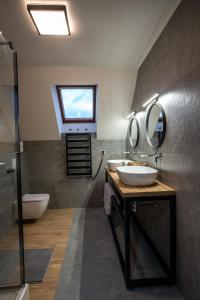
36	264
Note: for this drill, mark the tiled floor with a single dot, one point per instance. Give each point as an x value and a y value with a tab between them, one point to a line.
91	269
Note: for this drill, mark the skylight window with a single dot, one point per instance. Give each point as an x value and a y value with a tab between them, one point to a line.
77	103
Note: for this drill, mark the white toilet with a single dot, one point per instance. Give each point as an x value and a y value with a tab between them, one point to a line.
34	205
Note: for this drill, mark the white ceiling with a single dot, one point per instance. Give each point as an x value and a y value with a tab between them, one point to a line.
117	33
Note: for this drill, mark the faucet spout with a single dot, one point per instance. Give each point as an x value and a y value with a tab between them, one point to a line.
157	156
130	152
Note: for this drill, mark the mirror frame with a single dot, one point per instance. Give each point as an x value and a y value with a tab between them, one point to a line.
130	130
164	124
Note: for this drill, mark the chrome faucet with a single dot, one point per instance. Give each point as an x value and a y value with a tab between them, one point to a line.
157	156
130	152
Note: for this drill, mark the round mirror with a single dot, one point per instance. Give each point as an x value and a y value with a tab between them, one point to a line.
155	125
133	132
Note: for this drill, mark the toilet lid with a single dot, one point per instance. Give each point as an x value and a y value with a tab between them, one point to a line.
35	197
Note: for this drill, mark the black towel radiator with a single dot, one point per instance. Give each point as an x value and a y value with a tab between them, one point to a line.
78	154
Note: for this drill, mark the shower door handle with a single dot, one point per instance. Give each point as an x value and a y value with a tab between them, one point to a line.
10	171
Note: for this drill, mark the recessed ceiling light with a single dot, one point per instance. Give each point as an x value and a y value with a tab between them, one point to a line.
49	19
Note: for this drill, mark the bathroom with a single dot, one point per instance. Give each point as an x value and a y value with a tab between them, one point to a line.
133	60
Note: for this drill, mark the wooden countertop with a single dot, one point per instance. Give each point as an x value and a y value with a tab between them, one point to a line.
157	189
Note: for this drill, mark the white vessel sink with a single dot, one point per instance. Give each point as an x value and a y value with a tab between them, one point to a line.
137	175
114	163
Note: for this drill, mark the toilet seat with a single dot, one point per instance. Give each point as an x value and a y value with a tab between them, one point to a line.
35	197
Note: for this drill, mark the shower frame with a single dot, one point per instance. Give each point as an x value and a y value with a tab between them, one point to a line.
18	176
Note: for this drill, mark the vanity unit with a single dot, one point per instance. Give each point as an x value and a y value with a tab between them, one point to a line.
143	223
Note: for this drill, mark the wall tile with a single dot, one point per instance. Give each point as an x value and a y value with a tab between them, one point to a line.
173	68
47	172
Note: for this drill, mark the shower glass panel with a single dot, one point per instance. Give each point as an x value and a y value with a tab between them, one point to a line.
11	227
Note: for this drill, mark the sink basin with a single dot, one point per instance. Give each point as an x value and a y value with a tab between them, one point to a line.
137	175
114	163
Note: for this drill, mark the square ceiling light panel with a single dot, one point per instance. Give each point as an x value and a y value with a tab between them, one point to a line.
49	19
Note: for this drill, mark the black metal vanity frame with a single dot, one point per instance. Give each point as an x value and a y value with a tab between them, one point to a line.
170	270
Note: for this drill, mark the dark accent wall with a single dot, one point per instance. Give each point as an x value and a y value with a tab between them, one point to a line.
47	172
173	68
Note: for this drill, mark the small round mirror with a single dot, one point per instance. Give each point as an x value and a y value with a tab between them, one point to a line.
133	132
155	125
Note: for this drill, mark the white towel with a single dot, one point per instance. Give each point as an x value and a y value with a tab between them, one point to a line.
108	192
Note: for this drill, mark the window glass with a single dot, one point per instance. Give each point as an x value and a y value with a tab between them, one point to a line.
77	103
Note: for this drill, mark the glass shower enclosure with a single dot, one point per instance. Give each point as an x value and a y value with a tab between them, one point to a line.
11	225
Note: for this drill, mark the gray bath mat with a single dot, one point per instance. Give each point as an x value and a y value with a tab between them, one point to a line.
36	264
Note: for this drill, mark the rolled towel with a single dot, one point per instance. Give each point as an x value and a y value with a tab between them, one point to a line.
108	192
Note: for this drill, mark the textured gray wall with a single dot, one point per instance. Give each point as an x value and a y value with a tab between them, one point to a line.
173	68
47	172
